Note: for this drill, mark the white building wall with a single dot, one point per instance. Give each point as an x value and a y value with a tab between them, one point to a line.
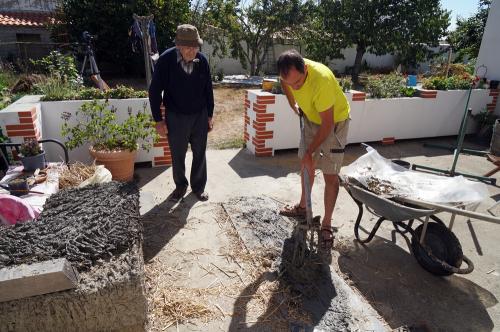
489	53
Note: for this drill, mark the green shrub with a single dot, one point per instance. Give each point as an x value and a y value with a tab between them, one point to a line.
54	89
407	92
385	86
57	65
345	83
67	91
456	82
98	125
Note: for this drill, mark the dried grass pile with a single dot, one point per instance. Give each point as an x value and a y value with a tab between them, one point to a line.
75	174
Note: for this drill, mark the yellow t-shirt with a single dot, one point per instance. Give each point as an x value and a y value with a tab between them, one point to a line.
320	92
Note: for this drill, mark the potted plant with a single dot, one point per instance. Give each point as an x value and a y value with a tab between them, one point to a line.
485	120
31	155
113	143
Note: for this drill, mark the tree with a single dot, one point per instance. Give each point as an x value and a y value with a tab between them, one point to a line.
403	27
466	38
110	21
246	30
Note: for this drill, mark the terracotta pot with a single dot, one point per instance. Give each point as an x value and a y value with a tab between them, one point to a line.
120	162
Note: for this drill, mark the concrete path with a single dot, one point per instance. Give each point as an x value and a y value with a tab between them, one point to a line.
382	273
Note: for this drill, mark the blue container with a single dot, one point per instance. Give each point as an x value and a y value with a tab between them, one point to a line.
412	80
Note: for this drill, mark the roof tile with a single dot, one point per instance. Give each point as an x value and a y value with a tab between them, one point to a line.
27	19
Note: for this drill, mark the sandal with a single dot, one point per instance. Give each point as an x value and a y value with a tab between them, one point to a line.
293	211
327	241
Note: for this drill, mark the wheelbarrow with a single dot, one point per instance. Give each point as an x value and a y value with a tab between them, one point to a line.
434	245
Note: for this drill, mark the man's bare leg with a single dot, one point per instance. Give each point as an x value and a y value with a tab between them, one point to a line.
332	186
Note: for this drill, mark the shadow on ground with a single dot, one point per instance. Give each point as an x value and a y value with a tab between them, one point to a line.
246	165
312	291
163	222
405	294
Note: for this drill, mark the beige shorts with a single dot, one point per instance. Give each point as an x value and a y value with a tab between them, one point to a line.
329	156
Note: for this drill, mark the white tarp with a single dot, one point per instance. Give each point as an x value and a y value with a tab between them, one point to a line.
399	181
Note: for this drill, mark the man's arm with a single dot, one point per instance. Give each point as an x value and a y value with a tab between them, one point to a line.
324	131
289	97
210	99
326	127
155	92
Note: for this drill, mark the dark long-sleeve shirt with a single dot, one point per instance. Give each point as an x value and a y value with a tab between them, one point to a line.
182	92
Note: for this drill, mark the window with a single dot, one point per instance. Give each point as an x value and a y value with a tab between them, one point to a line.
28	37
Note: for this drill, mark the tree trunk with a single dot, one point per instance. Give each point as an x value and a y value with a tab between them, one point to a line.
360	51
252	64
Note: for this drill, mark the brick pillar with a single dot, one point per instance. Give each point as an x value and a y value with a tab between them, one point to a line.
26	127
491	106
164	158
262	118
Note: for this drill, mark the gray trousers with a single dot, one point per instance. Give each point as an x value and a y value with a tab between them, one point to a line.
192	129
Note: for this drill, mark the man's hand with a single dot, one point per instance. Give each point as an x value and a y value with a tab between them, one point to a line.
161	128
210	124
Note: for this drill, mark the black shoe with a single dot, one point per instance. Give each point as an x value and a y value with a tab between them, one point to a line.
178	193
202	196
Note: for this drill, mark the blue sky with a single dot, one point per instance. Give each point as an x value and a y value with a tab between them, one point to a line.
463	8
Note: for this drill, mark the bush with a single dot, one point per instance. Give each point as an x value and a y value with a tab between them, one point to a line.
385	86
55	89
407	92
456	82
66	91
345	83
57	65
98	125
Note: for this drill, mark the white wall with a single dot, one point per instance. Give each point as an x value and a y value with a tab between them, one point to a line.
375	119
489	53
28	5
52	123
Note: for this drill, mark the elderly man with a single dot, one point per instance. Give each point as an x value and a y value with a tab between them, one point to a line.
311	87
182	74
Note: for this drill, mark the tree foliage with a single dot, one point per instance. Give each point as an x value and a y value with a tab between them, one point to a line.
466	38
402	27
110	21
245	29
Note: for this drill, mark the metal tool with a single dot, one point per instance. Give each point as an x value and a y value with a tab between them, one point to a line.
306	234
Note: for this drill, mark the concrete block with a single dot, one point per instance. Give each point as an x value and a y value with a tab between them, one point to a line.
24	280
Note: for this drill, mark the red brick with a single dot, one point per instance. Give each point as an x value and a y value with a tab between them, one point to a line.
263	150
259	98
259	126
160	144
162	163
20	127
494	92
265	102
21	133
163	158
27	114
263	154
27	120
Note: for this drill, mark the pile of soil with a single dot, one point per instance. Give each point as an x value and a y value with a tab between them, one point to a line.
83	225
262	228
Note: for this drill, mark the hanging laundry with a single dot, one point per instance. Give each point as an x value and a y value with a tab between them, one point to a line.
135	37
152	35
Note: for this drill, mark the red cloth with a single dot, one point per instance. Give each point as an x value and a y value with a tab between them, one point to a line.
14	209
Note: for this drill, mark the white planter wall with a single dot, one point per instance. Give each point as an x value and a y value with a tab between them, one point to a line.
30	118
52	123
437	113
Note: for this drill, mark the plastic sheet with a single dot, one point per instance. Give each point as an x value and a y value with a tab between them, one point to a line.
101	175
387	178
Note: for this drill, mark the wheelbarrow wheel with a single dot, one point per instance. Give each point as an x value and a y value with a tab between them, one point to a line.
441	253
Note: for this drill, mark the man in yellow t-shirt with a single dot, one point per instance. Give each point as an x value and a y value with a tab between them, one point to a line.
311	88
